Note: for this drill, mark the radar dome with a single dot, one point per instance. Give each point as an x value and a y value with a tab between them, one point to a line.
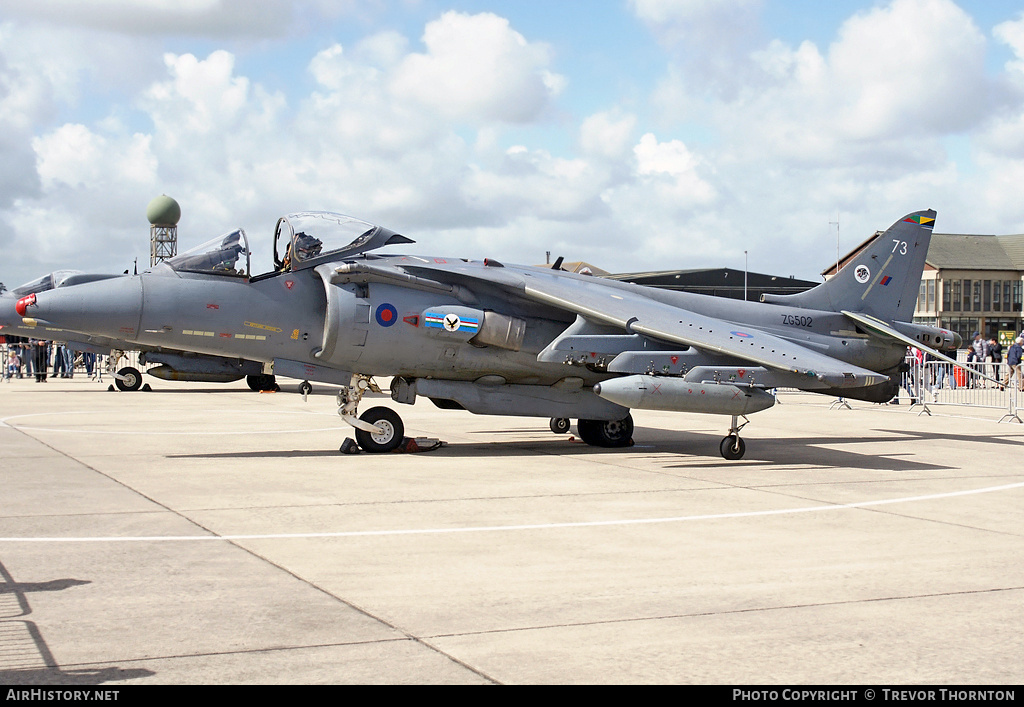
163	211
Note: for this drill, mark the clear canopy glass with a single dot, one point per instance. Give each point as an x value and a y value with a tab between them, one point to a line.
309	236
222	255
48	281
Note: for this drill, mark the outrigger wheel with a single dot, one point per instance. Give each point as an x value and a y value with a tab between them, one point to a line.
607	433
128	378
559	425
732	447
391	435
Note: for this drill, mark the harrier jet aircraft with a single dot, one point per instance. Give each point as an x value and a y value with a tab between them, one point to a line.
507	339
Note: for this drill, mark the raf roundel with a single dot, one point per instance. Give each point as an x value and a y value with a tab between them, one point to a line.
386	315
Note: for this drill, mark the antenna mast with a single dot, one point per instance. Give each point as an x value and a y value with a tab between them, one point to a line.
836	224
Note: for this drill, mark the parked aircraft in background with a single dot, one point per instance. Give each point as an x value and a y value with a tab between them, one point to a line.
510	340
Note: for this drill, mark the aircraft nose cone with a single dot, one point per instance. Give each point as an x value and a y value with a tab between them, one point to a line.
105	308
21	306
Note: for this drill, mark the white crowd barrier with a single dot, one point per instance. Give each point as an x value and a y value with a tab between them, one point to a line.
976	385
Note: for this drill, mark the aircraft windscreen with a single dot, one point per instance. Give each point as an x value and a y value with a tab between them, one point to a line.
319	233
219	256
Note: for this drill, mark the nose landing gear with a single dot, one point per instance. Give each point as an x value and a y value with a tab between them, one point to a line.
379	429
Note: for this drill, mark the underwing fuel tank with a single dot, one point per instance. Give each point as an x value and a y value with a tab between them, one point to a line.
675	394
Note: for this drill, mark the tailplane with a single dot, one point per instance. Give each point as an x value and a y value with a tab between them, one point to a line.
882	280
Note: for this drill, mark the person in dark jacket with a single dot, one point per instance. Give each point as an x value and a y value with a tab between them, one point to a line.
995	353
1013	357
41	353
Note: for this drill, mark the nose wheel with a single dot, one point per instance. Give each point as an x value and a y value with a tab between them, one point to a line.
392	431
128	378
377	430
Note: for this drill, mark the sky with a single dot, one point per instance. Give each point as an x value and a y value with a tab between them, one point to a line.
633	134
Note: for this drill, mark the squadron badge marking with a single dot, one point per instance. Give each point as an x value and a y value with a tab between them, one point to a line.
450	322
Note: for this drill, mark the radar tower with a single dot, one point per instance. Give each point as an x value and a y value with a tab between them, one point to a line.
163	214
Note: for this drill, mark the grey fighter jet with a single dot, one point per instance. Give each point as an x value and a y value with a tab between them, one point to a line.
511	340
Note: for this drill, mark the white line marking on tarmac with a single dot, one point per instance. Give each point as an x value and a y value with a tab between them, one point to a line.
542	526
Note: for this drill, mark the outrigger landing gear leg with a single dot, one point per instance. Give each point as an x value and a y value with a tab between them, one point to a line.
378	429
732	447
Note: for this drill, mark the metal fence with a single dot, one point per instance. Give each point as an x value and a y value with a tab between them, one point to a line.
976	385
104	364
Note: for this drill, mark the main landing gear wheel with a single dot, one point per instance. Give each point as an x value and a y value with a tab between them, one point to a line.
261	382
305	388
128	378
607	433
391	435
559	425
732	447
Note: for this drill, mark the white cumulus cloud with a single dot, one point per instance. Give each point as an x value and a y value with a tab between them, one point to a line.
478	69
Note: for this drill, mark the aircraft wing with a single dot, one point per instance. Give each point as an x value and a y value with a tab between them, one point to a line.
642	315
880	328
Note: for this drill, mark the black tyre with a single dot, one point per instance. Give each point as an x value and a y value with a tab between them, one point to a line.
559	425
305	388
261	382
389	439
128	379
733	447
607	433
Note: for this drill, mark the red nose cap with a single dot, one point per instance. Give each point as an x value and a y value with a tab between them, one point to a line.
23	303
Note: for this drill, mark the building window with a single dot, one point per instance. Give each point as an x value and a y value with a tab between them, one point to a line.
967	295
956	295
997	290
977	295
986	296
921	297
964	326
1018	291
946	303
931	295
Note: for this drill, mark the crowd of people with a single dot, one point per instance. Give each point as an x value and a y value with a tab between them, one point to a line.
36	357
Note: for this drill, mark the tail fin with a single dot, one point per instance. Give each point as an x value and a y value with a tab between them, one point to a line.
883	280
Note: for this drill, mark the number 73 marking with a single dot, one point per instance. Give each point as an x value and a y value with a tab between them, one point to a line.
900	246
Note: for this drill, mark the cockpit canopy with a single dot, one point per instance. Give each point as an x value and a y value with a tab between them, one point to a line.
58	278
308	237
218	256
300	241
